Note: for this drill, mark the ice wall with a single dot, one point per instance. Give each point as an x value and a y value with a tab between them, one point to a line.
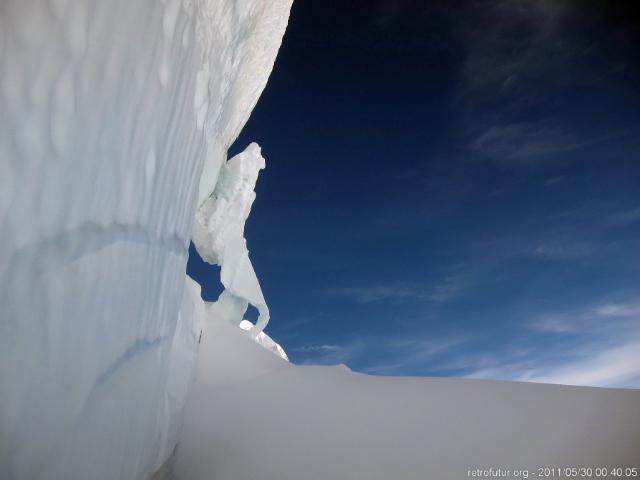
115	120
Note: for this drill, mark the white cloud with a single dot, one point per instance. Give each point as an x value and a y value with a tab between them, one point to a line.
554	324
564	251
614	366
618	366
553	181
630	216
532	140
317	348
449	288
412	352
443	290
522	60
329	354
596	319
619	310
597	346
383	355
368	294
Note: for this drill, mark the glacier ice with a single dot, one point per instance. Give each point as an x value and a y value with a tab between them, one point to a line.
116	118
184	354
218	235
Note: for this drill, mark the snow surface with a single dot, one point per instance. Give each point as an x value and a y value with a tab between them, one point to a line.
276	421
116	117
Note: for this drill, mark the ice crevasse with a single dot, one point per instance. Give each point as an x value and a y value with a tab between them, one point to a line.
116	117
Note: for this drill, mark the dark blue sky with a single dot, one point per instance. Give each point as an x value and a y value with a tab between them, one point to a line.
452	189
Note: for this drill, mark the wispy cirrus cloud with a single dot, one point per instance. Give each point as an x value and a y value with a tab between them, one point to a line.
554	181
383	355
617	366
450	287
507	40
619	310
326	354
600	318
614	366
596	346
523	62
376	293
442	290
415	353
553	323
534	139
564	251
317	348
628	216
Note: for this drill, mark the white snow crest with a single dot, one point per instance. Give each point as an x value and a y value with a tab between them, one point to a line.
265	340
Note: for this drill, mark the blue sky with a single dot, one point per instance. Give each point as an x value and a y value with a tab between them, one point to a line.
452	192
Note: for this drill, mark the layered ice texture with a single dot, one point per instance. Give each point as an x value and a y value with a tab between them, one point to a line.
115	121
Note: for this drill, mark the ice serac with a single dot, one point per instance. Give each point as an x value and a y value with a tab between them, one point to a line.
116	118
218	235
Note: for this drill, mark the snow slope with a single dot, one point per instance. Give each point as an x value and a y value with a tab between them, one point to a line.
116	117
275	421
